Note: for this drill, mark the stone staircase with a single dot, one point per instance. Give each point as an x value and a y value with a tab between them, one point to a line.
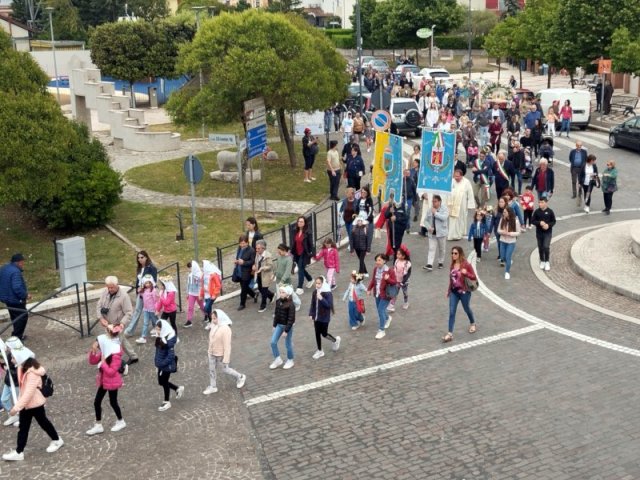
128	127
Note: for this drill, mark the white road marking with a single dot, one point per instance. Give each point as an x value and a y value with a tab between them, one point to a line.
588	142
389	366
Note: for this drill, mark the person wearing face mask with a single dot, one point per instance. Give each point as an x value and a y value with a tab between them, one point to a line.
220	351
30	404
320	313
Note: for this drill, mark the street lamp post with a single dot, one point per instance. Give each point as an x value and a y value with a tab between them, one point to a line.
469	28
359	47
49	10
431	49
198	9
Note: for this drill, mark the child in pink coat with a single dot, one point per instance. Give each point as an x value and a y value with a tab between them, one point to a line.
106	353
331	257
166	304
149	299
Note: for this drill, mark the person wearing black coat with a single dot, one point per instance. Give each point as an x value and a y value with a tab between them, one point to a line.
359	241
397	218
543	180
503	171
589	179
517	160
253	231
245	258
283	319
302	249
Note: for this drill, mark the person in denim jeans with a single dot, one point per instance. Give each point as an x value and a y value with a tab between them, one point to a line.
458	291
508	229
283	319
566	115
382	277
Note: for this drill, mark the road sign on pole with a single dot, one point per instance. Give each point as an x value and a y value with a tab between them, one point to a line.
381	120
223	138
256	122
194	172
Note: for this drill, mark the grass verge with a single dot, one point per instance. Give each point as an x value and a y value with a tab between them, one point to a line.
151	228
280	182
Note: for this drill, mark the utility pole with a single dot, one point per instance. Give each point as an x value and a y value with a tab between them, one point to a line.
433	27
469	28
359	47
198	9
50	10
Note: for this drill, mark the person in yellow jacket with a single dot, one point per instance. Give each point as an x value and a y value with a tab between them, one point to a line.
220	351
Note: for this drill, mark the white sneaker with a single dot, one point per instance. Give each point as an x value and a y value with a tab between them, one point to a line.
299	291
298	308
336	344
586	210
405	306
241	381
391	308
16	425
141	340
119	425
96	429
507	276
364	319
55	445
547	266
180	391
388	322
541	265
310	283
126	370
319	354
11	420
207	326
380	334
355	327
288	364
276	363
13	456
164	406
209	390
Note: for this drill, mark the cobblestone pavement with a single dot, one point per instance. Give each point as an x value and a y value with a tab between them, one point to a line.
543	390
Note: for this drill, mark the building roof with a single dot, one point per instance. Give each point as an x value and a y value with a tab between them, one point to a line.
13	21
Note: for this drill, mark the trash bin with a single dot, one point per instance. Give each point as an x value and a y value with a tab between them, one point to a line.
153	97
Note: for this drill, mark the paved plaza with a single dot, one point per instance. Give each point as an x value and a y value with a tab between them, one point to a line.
544	390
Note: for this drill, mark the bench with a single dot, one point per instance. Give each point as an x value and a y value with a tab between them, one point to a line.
624	103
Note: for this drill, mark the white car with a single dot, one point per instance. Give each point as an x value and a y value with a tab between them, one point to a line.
405	115
436	74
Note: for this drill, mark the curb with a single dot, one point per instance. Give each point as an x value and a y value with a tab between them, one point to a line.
55	303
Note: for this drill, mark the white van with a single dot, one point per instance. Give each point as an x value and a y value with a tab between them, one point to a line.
580	103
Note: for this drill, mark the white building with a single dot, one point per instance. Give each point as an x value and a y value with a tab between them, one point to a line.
340	8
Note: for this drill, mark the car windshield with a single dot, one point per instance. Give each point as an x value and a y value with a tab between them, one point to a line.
402	107
439	75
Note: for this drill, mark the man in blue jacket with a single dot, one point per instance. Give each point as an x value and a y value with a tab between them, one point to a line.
13	293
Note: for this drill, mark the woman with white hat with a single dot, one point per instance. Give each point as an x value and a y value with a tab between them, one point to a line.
166	307
193	290
106	353
284	317
166	361
30	404
220	351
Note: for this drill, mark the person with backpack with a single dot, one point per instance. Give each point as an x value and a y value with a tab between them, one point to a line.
30	403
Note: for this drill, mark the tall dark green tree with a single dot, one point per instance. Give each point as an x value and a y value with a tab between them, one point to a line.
511	8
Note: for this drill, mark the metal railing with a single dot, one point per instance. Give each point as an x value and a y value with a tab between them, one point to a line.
30	311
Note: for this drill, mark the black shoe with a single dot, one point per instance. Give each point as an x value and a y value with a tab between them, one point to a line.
188	325
133	360
255	299
607	212
440	266
428	267
241	307
573	196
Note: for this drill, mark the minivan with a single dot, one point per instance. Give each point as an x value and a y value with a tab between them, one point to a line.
580	103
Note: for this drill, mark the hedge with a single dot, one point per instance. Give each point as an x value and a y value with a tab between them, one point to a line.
344	38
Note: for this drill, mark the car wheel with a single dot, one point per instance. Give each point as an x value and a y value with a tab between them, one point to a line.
412	118
612	141
583	127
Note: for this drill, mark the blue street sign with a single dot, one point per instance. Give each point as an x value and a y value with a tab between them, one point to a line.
256	140
193	170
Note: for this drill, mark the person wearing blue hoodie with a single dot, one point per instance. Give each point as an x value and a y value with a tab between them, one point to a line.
166	361
13	293
320	313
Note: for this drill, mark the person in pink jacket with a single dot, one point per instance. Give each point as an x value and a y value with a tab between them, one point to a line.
30	404
331	257
106	353
166	304
220	351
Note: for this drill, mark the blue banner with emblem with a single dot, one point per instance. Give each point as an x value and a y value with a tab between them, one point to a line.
436	162
387	167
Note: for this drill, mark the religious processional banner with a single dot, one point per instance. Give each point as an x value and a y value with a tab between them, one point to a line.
436	162
387	167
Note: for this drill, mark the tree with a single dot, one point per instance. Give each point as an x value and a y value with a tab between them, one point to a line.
148	9
482	22
511	8
213	6
367	9
497	43
135	50
258	54
67	24
50	165
625	52
284	6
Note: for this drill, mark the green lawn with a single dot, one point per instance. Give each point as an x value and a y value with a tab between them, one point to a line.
280	182
149	227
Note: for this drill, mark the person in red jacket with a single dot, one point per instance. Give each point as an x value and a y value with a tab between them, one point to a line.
459	271
106	353
383	283
166	304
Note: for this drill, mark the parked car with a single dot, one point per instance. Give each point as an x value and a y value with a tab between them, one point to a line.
627	134
406	116
378	65
436	74
404	69
352	101
580	103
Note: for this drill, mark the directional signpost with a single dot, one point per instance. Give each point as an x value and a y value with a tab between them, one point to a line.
255	115
193	172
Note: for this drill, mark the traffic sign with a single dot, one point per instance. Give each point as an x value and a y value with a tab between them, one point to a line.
256	123
604	66
424	33
223	138
381	120
193	170
254	109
